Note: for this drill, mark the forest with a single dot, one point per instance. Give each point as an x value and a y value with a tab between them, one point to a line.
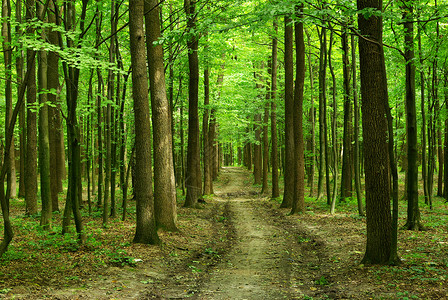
224	149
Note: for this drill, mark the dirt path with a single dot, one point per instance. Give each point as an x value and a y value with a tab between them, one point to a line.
257	265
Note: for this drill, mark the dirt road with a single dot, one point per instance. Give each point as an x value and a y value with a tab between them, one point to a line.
257	265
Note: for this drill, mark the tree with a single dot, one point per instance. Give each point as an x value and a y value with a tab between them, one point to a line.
273	97
145	232
71	74
375	135
193	177
413	212
7	54
347	161
356	132
44	140
288	193
57	159
323	155
298	204
164	181
31	121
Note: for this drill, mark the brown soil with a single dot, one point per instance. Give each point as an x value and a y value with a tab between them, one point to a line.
241	246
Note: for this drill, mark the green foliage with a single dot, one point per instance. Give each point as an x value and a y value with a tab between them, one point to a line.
121	258
322	281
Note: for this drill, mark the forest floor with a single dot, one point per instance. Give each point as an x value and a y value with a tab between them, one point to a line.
239	245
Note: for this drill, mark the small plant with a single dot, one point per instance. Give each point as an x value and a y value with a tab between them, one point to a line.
120	258
195	269
322	281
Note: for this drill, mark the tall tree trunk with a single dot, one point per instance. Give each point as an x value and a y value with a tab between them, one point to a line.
264	187
146	231
73	134
7	54
356	154
208	181
333	126
22	117
31	120
322	112
311	147
288	194
44	142
298	204
164	182
374	123
99	118
274	140
413	212
445	156
347	157
114	116
422	107
54	115
109	120
193	179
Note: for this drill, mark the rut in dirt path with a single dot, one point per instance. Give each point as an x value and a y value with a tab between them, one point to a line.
257	266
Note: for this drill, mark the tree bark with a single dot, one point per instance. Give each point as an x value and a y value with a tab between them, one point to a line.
374	123
146	231
322	112
164	181
7	54
288	194
298	204
333	125
356	154
347	157
54	115
44	142
311	147
274	139
413	212
193	176
22	119
31	120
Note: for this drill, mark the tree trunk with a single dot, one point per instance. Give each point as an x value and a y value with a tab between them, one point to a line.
298	204
322	111
264	187
311	147
356	154
288	194
31	121
333	126
73	134
422	107
413	212
22	121
208	181
274	139
374	123
164	182
347	161
146	231
193	176
44	142
54	115
7	54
